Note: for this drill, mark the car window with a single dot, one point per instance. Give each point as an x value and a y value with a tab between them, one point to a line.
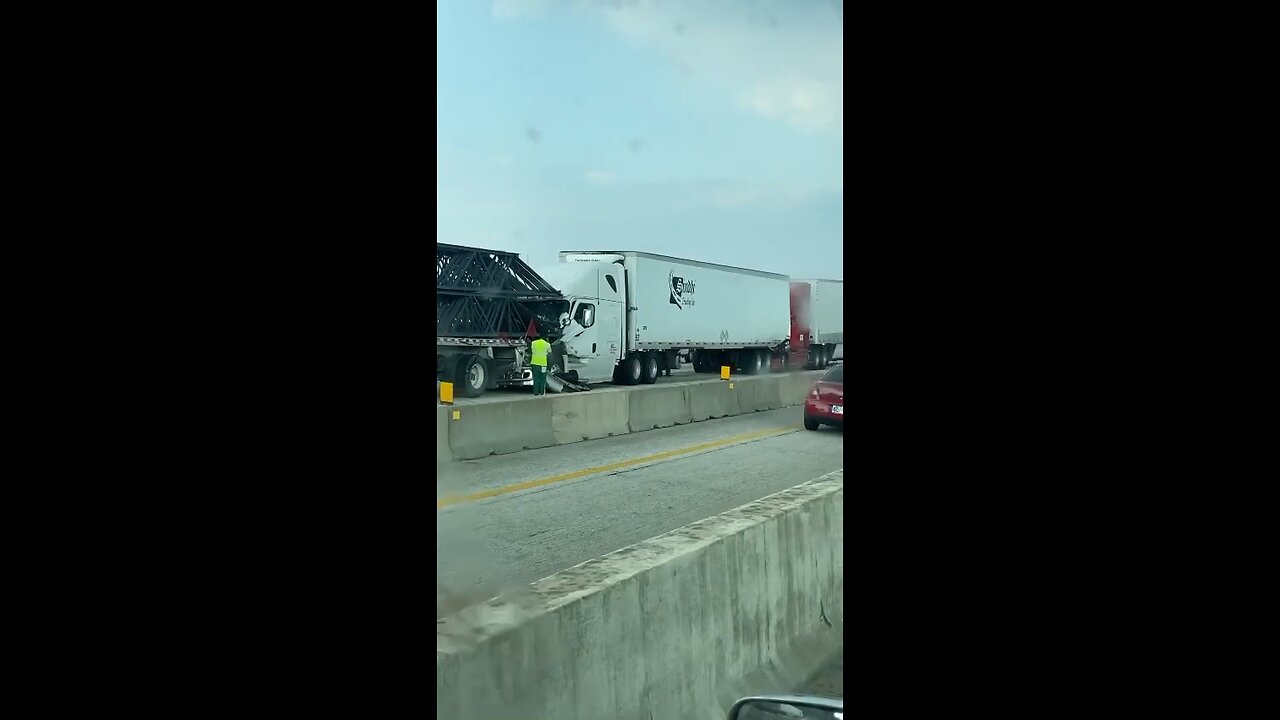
835	374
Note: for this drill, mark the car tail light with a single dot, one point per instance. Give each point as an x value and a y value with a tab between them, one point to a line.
814	392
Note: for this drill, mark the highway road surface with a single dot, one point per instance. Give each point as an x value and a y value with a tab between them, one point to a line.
505	521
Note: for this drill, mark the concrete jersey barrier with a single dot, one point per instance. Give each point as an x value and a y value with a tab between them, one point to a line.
712	400
500	428
443	453
658	407
588	416
750	601
527	423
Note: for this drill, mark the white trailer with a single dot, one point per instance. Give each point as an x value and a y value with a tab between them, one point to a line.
631	314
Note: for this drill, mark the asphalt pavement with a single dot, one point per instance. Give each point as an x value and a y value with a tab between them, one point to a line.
507	520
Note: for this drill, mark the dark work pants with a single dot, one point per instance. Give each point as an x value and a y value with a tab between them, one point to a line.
539	379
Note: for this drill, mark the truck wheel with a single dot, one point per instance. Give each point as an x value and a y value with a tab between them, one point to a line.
630	371
472	375
751	362
650	367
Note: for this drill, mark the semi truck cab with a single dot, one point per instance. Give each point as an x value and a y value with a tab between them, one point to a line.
592	337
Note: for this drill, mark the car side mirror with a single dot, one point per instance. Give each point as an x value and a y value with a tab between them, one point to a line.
786	707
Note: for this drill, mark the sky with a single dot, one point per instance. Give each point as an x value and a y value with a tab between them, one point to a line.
704	129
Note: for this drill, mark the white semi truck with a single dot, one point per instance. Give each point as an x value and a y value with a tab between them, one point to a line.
632	313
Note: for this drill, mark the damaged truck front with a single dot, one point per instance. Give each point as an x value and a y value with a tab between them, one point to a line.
488	303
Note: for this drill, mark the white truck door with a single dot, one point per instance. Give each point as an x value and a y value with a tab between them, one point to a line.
610	317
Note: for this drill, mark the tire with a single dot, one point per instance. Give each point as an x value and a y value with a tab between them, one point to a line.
472	376
629	371
751	362
810	423
649	368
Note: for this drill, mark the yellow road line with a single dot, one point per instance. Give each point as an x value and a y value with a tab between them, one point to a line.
455	499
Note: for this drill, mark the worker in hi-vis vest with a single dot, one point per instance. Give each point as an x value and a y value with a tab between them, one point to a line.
541	348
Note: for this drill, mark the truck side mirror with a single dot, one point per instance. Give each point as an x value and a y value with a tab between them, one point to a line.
787	708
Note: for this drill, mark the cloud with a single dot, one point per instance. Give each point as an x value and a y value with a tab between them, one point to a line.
600	177
803	103
781	60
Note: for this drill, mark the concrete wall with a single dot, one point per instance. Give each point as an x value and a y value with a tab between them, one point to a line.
443	453
500	428
525	423
678	626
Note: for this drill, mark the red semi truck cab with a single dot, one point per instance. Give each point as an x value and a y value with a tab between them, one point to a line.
816	303
799	324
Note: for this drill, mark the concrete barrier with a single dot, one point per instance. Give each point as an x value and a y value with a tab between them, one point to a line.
443	454
677	626
587	416
658	407
712	400
758	394
500	428
796	387
525	423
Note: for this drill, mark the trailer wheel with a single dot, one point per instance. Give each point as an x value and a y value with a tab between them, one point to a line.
472	375
630	371
650	367
751	362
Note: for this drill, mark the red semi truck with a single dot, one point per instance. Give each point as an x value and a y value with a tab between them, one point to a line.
817	322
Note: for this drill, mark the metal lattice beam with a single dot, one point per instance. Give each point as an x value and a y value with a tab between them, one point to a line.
490	293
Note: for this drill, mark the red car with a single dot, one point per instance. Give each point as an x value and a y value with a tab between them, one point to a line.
825	404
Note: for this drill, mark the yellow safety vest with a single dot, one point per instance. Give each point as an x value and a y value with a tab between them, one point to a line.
540	350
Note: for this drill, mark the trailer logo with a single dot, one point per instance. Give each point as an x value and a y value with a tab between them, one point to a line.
681	291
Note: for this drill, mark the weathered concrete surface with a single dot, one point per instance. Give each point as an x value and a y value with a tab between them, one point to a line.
659	407
443	453
712	400
762	393
495	429
521	423
588	416
795	387
676	626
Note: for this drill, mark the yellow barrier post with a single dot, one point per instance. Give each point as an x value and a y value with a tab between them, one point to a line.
446	393
724	372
